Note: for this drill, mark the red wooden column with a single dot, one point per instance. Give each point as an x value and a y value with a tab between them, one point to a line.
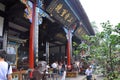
69	49
31	40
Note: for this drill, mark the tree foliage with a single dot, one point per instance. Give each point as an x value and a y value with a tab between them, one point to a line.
104	47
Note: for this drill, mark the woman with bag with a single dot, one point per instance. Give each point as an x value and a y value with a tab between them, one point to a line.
5	68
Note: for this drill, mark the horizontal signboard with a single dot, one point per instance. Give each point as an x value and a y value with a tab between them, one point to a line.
61	12
80	32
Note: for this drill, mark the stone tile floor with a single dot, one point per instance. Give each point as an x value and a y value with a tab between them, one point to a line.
81	77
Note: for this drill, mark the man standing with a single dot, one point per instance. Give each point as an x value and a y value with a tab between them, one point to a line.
63	71
88	72
54	66
5	69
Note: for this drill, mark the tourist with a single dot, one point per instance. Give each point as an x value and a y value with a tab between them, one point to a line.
5	68
88	73
55	67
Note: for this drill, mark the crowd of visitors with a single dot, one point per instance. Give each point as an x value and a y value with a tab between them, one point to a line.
42	69
59	68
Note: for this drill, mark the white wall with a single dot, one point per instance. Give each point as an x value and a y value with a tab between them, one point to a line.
2	7
1	25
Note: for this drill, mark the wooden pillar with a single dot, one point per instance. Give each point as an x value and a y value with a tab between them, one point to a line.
47	52
69	49
36	36
31	42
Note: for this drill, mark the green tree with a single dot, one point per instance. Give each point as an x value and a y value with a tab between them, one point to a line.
79	48
103	47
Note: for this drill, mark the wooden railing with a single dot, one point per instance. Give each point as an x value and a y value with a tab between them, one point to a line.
19	75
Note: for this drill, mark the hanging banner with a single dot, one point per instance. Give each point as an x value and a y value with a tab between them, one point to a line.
28	9
61	12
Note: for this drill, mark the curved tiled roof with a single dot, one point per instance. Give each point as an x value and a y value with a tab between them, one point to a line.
81	14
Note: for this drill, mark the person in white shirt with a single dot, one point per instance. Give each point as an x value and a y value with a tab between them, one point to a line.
5	71
88	73
54	66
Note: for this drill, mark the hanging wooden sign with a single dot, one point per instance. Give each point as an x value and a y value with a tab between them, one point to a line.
80	32
28	9
61	12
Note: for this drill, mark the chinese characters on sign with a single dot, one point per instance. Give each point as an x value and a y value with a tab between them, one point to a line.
80	32
61	12
64	13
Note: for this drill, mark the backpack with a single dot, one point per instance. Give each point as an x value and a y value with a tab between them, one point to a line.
8	70
8	66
